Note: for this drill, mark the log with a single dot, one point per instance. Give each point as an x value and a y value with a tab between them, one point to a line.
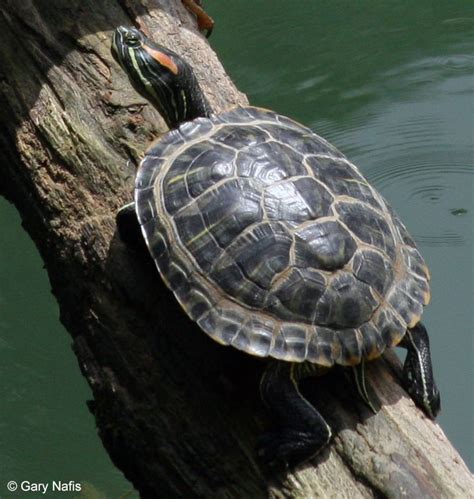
178	414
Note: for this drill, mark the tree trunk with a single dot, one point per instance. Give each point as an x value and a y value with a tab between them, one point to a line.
178	414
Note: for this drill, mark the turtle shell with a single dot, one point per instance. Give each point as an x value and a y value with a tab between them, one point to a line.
274	243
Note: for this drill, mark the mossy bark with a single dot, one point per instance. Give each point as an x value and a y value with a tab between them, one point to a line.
178	414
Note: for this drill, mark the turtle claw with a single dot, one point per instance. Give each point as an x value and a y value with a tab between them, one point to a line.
283	449
270	452
359	379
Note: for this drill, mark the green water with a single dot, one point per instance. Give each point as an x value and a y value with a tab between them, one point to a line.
46	430
391	84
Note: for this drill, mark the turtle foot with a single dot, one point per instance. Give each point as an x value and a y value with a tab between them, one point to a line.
429	403
283	449
418	379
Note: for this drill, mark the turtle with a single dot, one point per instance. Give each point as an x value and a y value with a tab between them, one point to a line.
273	242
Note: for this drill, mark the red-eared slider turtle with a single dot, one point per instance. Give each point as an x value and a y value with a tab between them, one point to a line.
274	243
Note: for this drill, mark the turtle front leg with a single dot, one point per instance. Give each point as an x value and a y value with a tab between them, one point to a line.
299	431
418	377
128	226
205	22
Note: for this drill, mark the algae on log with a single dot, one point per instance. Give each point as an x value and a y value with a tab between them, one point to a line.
178	414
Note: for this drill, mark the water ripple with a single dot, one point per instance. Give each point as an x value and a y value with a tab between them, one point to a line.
446	239
409	172
430	193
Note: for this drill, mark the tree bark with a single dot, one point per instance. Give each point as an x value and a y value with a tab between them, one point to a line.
178	414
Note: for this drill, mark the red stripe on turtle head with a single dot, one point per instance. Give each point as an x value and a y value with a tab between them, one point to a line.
162	58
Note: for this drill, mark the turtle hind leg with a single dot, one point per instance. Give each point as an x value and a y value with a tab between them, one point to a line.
128	227
418	377
299	431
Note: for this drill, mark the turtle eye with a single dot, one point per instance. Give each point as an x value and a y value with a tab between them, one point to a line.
132	40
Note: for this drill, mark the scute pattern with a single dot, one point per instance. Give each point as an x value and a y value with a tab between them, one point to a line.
295	200
347	302
325	243
246	277
268	162
294	295
273	242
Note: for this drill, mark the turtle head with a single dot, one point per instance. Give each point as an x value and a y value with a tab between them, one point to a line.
159	75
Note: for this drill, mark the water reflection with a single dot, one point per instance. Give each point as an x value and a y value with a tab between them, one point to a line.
414	143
